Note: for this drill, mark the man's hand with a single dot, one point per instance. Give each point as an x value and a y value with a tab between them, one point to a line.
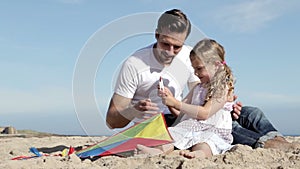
145	109
121	112
146	105
237	108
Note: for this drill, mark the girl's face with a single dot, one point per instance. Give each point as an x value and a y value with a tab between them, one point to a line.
200	70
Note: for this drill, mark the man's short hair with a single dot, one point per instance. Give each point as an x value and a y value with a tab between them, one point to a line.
174	20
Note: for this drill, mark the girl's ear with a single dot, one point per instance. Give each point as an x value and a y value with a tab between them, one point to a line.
217	63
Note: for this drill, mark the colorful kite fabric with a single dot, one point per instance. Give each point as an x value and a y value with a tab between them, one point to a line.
37	153
151	132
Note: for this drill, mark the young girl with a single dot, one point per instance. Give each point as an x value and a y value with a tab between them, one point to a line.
205	120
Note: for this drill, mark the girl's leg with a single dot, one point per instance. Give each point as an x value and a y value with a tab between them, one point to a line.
200	150
163	149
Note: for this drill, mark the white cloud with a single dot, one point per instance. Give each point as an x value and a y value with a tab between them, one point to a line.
52	99
252	15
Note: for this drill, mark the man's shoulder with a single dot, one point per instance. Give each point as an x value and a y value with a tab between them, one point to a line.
184	54
186	48
141	54
139	57
145	49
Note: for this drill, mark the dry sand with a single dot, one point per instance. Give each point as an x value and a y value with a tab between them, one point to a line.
239	157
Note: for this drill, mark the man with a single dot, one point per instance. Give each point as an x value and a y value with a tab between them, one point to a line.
136	88
135	96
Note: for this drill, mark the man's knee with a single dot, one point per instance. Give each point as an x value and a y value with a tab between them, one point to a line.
249	110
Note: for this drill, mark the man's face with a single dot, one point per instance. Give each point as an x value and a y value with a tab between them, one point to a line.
168	46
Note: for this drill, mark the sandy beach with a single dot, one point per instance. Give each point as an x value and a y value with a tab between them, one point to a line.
239	157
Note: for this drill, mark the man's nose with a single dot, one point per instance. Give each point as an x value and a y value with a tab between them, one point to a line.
171	50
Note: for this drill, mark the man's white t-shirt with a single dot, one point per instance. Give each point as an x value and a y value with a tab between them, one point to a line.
139	76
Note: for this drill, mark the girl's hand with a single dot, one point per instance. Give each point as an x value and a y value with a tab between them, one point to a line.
168	98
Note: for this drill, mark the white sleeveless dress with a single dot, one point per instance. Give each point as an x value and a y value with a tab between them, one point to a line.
215	131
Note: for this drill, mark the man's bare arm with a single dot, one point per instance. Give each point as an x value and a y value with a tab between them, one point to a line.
114	118
121	111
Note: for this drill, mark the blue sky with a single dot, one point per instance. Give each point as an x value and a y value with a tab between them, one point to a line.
41	41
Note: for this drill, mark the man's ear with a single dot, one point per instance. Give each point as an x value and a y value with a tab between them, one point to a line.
156	34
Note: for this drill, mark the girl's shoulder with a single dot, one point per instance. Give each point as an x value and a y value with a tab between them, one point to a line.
199	87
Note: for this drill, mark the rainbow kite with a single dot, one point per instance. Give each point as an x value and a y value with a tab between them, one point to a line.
151	132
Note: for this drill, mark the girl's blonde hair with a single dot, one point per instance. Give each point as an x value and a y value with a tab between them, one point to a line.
211	52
